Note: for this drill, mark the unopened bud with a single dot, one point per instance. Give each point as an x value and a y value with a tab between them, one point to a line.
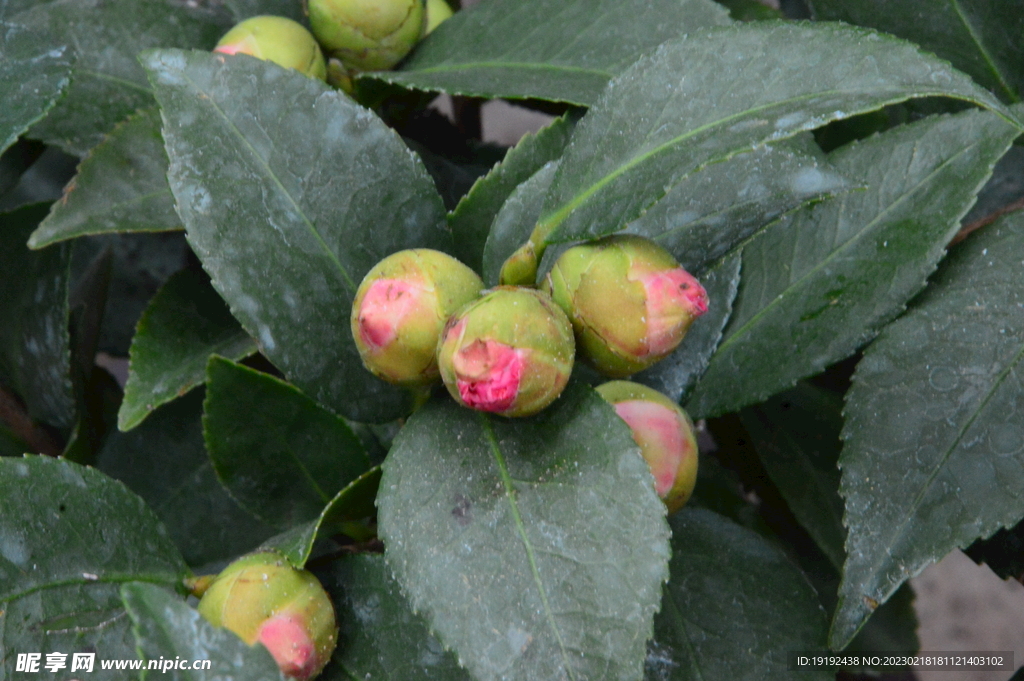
367	35
401	308
262	598
509	353
438	11
629	301
665	435
277	39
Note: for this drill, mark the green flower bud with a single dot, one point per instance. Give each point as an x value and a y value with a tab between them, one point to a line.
510	352
262	598
438	11
665	435
401	308
282	41
629	301
368	35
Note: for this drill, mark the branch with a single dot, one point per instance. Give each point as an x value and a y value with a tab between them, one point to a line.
14	416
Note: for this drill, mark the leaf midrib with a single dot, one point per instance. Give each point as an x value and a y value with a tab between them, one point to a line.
116	579
507	484
273	177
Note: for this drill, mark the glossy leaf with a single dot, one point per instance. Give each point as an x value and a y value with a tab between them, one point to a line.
243	9
1006	187
796	434
69	538
514	222
711	213
932	427
33	75
381	638
165	462
471	220
559	50
35	346
105	37
121	186
166	629
662	119
279	454
734	606
676	374
185	323
288	212
979	37
555	544
849	264
353	503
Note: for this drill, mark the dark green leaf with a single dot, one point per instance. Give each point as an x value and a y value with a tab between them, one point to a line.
734	605
824	280
1003	552
980	37
892	627
143	262
69	538
289	212
164	461
279	454
35	347
719	92
381	638
514	222
471	220
351	504
11	444
185	323
121	186
1005	189
559	50
796	434
166	628
553	545
105	37
676	374
709	214
33	74
932	425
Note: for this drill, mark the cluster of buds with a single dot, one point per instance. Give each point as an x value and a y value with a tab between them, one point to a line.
263	599
357	35
420	315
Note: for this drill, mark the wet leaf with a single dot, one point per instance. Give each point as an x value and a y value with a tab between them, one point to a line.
554	543
934	449
824	280
288	212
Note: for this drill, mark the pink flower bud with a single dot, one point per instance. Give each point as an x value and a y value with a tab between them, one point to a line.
401	308
629	301
665	435
263	599
509	353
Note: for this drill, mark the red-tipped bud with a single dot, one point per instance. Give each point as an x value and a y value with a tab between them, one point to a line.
629	301
665	435
263	599
509	353
401	308
277	39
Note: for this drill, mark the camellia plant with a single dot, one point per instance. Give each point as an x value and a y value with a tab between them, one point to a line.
282	336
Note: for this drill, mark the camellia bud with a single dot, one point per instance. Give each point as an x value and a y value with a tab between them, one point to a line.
277	39
368	35
629	301
665	435
262	598
510	352
438	11
401	308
